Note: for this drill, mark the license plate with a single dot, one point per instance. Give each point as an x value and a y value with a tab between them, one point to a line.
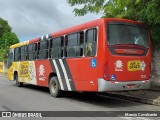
131	86
134	65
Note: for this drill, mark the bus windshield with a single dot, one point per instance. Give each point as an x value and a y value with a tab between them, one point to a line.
127	34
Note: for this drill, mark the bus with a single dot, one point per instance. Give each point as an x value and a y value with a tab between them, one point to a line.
107	54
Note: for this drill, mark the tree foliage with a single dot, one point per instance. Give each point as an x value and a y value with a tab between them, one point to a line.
147	11
4	27
7	38
93	6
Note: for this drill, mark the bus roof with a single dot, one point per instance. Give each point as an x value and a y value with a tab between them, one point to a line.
73	29
25	43
19	44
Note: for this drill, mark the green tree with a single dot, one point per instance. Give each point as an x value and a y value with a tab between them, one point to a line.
4	27
147	11
7	38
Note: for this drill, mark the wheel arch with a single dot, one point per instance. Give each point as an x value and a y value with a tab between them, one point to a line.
14	75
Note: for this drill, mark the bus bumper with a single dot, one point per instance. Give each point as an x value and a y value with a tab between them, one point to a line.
104	86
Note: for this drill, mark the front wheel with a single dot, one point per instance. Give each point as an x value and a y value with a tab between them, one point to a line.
18	84
54	87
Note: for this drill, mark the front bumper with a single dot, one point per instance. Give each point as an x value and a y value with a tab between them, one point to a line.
104	86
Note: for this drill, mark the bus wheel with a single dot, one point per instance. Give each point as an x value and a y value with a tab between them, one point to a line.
18	84
54	87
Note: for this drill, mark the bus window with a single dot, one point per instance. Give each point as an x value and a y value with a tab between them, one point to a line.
81	44
23	55
17	54
127	34
74	44
32	53
91	42
43	50
10	59
56	46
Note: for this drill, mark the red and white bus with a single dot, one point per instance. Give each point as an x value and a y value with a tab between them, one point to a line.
103	55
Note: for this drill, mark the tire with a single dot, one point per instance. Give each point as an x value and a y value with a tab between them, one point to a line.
54	87
18	84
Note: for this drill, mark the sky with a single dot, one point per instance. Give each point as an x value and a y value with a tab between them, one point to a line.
34	18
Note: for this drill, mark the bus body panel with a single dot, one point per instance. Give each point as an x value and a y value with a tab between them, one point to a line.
11	71
84	73
27	72
43	70
129	68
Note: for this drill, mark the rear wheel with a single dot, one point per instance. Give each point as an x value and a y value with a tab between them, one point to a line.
54	87
18	84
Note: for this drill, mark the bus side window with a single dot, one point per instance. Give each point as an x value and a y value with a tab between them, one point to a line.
91	42
43	50
34	48
29	52
10	59
26	52
56	47
32	53
74	44
17	54
23	56
81	43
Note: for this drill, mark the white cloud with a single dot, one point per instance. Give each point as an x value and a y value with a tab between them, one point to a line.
33	18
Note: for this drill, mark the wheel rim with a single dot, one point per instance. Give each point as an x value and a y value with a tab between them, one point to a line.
53	87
